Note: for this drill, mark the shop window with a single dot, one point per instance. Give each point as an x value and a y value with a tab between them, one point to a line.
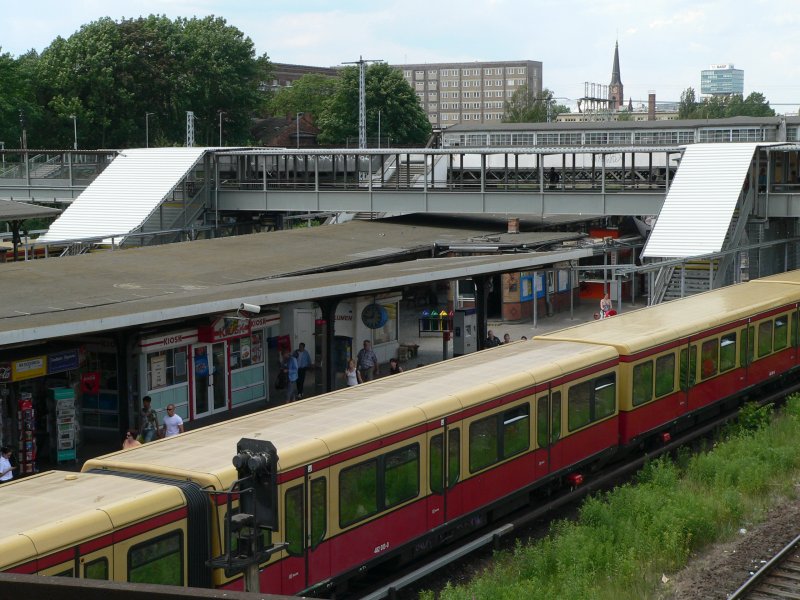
727	352
387	333
159	560
642	383
247	351
709	358
764	338
781	332
166	368
665	375
293	517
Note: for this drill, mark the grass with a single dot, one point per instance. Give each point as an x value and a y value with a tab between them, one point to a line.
624	540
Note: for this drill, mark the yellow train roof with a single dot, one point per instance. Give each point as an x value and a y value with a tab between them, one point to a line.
56	509
311	429
645	328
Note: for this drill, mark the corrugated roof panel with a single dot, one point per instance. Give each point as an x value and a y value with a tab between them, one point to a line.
700	203
125	194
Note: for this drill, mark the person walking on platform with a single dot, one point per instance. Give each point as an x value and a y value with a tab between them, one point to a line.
367	362
303	362
553	177
289	365
149	421
351	374
605	306
173	424
6	470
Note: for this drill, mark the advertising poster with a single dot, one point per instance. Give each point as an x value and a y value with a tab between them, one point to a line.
158	372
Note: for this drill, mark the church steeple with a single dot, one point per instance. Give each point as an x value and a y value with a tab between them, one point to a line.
615	99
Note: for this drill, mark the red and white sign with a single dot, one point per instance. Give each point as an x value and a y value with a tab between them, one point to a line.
169	340
90	382
224	328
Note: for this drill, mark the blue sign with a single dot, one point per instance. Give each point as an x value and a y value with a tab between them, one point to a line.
66	360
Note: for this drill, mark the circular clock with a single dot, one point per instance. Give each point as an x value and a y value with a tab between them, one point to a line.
374	316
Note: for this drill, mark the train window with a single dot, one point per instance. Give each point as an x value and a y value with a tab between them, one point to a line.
688	368
781	332
96	569
159	560
605	396
482	444
358	492
401	475
579	405
727	352
319	511
795	337
642	383
516	430
709	358
68	573
764	338
293	518
453	457
665	374
436	464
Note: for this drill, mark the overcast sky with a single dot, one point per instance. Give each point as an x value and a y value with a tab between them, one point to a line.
663	44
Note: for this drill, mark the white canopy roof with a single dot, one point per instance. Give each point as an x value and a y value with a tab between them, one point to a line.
125	194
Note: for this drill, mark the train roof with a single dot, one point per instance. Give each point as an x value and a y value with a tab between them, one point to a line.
57	509
649	327
307	430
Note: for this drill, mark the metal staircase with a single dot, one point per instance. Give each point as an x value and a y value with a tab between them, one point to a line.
182	208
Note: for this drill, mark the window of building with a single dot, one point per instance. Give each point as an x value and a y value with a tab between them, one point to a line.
524	139
166	368
419	74
433	74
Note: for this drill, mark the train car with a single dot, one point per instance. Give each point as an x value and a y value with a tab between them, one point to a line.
384	470
680	359
98	527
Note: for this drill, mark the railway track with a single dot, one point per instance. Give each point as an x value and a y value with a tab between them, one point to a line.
516	524
776	580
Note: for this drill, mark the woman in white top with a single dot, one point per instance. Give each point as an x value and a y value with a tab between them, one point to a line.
351	373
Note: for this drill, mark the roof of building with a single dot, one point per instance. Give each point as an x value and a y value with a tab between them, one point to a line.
17	211
114	289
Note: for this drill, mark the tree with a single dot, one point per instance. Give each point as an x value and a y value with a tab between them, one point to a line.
17	99
402	117
526	107
688	104
110	74
307	95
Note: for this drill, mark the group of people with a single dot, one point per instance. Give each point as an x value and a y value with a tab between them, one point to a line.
364	367
492	340
149	429
294	366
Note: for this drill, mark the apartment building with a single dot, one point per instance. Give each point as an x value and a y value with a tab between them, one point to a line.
473	92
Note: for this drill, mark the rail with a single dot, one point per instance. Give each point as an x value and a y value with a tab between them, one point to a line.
778	578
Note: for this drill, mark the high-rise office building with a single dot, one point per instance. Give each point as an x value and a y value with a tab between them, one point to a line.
721	80
475	92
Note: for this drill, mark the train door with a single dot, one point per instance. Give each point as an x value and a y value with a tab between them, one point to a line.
305	526
687	376
548	430
437	475
453	503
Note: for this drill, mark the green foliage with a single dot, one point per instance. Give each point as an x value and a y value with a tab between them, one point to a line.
16	94
110	73
526	107
625	539
402	117
720	107
307	95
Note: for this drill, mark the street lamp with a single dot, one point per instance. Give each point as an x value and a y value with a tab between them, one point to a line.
379	130
74	131
147	129
220	128
297	119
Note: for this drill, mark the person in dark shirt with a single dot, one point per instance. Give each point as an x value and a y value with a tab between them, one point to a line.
491	340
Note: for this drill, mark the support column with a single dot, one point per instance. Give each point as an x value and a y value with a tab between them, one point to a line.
124	400
327	307
481	299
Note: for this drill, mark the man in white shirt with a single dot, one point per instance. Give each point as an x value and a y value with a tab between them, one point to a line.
6	470
173	424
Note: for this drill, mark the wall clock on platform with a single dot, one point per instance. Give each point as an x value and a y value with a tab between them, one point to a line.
374	316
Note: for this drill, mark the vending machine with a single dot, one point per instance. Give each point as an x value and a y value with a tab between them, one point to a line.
26	425
465	330
62	424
